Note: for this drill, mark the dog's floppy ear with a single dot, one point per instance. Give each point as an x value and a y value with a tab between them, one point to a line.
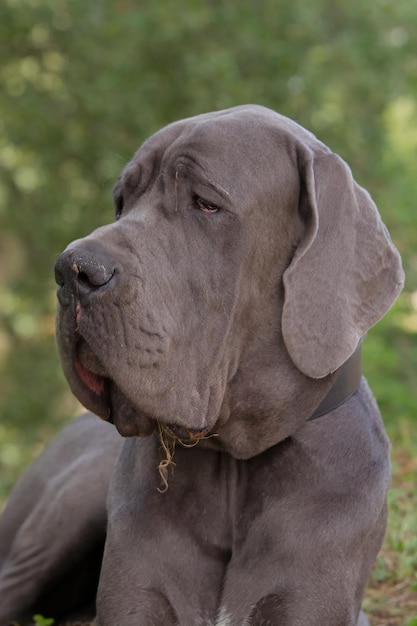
345	273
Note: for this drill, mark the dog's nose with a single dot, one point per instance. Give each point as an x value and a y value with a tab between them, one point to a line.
82	272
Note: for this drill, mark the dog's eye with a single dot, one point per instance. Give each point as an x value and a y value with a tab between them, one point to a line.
204	206
118	209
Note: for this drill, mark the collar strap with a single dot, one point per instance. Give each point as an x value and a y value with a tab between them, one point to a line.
346	382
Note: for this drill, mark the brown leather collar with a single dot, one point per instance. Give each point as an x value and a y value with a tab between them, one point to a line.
345	384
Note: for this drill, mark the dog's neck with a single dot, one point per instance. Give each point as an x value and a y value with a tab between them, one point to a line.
345	384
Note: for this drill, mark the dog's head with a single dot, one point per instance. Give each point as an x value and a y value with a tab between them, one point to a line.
243	268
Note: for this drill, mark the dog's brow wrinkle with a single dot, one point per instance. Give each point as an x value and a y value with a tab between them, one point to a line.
176	188
219	187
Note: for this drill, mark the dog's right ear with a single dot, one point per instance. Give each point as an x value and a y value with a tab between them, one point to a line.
345	273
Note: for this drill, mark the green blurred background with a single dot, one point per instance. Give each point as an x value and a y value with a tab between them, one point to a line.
84	83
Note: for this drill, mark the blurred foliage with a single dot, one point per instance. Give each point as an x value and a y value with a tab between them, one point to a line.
391	597
83	83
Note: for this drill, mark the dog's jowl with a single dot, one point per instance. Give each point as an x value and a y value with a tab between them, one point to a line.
217	324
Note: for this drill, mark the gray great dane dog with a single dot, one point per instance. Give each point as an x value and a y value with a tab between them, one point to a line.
216	324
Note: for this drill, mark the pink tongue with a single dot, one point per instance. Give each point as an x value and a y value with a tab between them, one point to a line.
96	383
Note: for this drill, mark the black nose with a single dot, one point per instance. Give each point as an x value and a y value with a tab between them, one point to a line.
81	271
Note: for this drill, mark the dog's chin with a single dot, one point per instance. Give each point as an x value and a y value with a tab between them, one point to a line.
95	389
128	421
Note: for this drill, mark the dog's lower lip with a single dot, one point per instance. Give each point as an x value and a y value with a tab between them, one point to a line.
91	389
94	382
102	396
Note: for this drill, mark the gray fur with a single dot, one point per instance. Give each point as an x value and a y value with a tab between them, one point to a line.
184	324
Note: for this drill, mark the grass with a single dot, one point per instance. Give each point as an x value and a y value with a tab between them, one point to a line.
391	598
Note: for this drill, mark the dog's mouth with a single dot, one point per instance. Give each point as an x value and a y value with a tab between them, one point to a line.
98	391
89	369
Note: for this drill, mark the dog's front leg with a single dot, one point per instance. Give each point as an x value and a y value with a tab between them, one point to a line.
309	527
166	553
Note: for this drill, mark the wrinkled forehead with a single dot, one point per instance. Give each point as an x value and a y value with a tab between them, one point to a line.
227	145
228	132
